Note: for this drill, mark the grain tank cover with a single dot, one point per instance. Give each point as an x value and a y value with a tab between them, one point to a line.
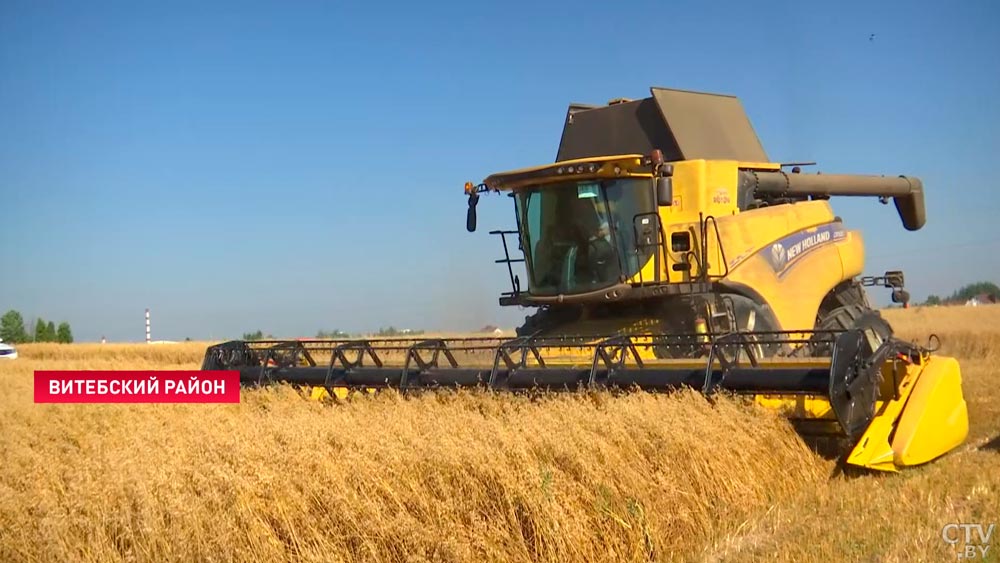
684	125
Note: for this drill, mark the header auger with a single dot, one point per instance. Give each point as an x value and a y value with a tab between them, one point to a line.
662	249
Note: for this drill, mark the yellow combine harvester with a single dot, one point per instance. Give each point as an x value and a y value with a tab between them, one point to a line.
661	250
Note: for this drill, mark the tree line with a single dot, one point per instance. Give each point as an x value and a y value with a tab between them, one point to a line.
337	333
12	330
963	294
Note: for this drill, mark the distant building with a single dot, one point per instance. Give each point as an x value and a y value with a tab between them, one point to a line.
981	299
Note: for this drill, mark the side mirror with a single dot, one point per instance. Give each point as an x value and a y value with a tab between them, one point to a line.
470	217
901	296
664	191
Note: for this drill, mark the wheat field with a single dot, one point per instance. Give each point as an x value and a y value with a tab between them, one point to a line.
471	477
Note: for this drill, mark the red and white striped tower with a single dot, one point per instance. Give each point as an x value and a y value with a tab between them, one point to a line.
148	340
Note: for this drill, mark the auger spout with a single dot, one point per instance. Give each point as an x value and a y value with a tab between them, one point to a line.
907	192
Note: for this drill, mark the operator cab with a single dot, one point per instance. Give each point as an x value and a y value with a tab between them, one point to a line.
589	229
579	236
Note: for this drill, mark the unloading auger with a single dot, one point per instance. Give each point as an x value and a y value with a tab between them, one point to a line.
663	250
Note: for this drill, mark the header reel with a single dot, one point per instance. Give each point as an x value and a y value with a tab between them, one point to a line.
845	395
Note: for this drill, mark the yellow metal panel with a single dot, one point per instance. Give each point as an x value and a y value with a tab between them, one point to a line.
751	231
811	407
689	193
647	273
795	293
720	188
319	393
935	419
794	298
759	165
852	254
873	450
689	186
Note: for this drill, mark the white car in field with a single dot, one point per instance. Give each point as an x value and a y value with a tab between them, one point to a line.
7	352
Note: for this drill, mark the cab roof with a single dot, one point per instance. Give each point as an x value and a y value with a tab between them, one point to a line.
616	166
615	140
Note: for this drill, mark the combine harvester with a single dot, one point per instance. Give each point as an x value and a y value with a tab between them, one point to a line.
662	249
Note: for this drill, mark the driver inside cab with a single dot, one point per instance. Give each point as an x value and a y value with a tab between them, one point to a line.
576	251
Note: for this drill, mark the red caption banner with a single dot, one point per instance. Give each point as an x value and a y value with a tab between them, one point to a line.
137	386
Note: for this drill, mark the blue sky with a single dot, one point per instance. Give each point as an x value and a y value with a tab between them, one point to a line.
292	166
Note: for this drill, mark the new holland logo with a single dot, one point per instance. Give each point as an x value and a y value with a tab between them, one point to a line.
778	255
785	253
